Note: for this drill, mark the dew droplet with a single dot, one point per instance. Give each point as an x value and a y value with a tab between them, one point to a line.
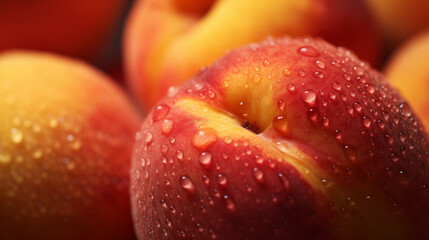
404	177
285	181
286	72
381	124
308	51
205	159
358	70
37	154
186	183
148	137
281	105
204	138
313	114
164	148
369	88
167	126
366	122
258	175
320	64
160	111
319	75
357	107
291	88
230	205
179	154
222	180
280	123
309	97
301	73
336	86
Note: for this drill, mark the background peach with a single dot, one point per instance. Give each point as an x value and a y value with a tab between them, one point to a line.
408	71
398	20
67	135
78	28
166	42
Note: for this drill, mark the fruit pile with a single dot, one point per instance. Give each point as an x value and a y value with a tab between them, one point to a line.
227	119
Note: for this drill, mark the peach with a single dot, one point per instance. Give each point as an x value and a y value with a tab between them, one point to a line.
284	139
399	19
408	70
65	148
166	42
78	28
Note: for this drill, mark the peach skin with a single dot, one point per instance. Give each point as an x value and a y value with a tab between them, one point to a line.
78	28
168	41
65	148
408	70
284	139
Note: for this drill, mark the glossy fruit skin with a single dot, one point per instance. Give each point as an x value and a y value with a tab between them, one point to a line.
408	71
166	42
284	139
65	147
77	28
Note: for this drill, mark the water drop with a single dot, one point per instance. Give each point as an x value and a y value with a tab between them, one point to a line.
148	137
204	138
404	177
230	205
313	114
308	51
281	105
336	86
357	107
258	175
320	64
366	122
37	154
167	126
319	75
369	88
358	70
309	97
164	148
179	155
160	111
381	124
280	123
291	88
301	73
286	72
222	180
186	184
205	159
285	181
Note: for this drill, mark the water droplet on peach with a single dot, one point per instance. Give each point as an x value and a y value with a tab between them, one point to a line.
258	175
205	159
285	181
160	111
186	183
313	114
167	126
308	51
280	123
309	97
230	205
281	105
204	138
291	88
222	180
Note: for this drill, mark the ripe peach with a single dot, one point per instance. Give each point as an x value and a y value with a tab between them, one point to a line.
285	139
400	19
65	149
78	28
408	70
168	41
